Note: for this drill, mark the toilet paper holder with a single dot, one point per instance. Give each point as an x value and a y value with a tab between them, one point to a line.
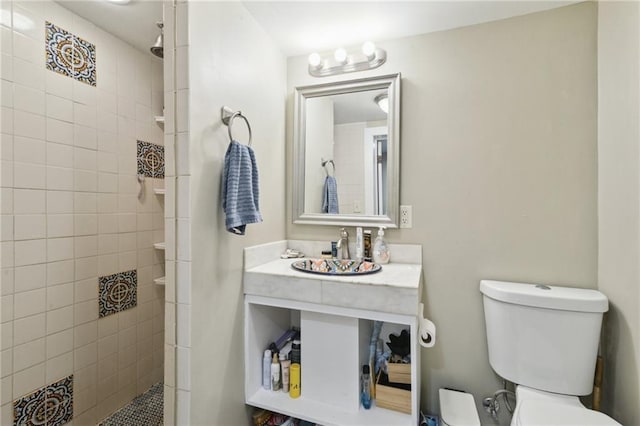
426	330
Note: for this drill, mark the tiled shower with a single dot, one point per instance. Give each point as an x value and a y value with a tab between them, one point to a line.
82	320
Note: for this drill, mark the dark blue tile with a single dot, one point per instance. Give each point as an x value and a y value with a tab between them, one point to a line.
117	292
59	402
30	410
150	159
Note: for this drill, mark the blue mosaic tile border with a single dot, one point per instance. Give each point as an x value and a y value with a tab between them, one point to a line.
70	55
51	405
150	160
117	292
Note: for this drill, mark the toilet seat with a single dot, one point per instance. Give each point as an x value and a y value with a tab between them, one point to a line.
542	412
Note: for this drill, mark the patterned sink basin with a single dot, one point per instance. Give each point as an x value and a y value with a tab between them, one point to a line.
336	267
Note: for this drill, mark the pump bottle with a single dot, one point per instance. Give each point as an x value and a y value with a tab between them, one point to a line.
380	248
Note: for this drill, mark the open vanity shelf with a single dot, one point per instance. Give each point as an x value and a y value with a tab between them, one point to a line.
335	317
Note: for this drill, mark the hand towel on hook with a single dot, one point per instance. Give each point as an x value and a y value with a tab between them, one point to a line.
240	188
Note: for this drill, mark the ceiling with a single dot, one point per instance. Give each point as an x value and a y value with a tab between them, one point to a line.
324	25
134	23
301	27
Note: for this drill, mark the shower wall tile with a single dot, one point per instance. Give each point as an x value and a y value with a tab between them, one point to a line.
28	354
30	378
30	277
59	366
58	320
28	99
27	150
69	146
59	131
29	303
28	124
59	225
28	329
60	272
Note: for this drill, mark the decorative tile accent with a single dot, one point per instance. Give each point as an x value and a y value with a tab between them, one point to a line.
59	49
59	402
84	61
117	292
145	410
70	55
51	405
150	160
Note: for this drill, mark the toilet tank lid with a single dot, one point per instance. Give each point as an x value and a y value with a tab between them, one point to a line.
458	408
543	296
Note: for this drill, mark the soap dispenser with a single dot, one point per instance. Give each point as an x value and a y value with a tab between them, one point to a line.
380	248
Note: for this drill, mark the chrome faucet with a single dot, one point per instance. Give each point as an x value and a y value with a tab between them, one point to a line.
343	245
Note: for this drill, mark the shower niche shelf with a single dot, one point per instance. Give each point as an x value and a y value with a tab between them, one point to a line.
160	281
159	246
159	119
159	191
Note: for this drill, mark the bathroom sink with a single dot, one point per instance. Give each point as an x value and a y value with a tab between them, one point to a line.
336	266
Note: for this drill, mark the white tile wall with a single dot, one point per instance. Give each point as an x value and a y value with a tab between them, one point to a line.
70	213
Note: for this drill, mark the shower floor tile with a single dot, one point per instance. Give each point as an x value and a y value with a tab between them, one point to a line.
144	410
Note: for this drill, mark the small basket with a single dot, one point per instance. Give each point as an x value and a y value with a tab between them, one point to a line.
392	398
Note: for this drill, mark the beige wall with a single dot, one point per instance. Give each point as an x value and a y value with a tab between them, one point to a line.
618	208
231	62
498	160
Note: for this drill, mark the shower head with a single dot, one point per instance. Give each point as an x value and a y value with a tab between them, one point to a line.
158	48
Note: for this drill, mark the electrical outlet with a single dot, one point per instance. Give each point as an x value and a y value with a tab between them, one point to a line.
406	220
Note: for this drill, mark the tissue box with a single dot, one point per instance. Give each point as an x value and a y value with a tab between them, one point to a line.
399	373
396	397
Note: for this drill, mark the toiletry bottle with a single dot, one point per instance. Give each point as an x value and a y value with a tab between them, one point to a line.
380	248
365	387
294	380
295	352
275	373
285	365
367	245
266	370
359	244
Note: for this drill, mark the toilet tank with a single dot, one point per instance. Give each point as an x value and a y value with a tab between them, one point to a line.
544	337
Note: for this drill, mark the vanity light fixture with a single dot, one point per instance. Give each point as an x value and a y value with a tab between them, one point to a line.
383	102
342	62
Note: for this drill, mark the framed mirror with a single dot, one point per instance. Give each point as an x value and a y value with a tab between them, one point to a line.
346	153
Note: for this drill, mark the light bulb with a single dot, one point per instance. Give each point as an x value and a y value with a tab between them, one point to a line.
369	49
314	60
340	55
383	102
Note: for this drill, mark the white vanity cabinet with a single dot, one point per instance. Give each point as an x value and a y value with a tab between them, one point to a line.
335	316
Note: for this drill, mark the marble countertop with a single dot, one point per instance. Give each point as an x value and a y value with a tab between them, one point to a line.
395	289
400	275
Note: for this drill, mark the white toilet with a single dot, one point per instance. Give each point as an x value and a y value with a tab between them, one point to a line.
545	340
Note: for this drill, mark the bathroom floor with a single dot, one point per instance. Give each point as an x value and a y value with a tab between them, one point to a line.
145	410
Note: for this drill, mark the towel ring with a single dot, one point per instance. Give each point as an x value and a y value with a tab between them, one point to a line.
227	118
324	164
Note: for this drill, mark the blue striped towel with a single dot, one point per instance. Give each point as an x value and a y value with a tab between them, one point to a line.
240	188
330	196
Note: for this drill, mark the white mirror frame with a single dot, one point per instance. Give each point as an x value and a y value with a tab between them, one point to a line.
390	82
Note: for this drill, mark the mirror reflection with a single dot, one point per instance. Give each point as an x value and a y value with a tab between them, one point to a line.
346	156
346	152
